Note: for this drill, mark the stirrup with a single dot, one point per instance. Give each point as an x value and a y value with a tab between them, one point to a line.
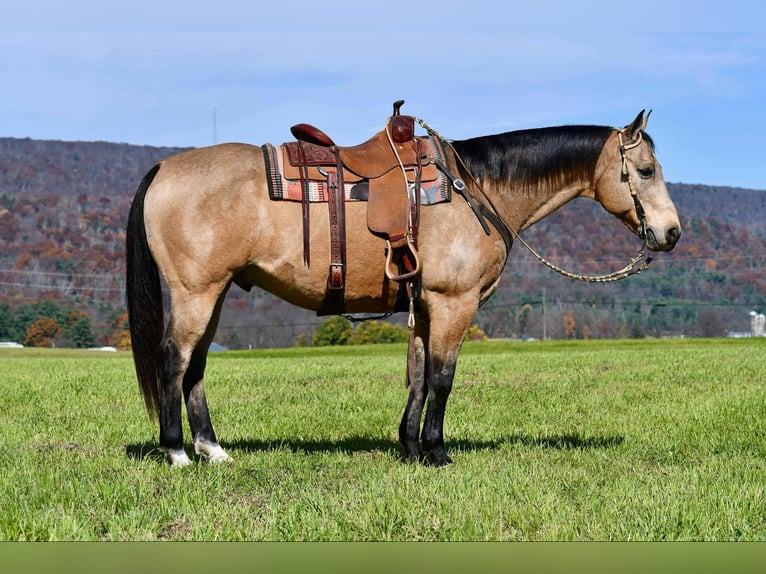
404	276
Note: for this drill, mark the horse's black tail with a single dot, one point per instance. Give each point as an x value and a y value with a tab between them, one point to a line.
144	297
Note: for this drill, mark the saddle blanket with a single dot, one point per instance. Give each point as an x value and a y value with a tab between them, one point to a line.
281	188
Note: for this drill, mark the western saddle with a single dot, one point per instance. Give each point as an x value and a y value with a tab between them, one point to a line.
387	171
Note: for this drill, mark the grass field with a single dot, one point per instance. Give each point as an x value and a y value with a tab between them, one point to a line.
588	440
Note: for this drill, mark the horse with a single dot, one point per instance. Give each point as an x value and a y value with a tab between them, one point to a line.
202	220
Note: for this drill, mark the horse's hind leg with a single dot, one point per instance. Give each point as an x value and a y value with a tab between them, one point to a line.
203	435
184	351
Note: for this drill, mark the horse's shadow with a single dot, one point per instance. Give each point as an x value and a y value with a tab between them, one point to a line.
365	444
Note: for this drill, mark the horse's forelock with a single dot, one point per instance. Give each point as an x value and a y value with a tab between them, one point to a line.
648	139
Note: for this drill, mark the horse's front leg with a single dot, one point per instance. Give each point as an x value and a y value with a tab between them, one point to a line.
449	325
440	374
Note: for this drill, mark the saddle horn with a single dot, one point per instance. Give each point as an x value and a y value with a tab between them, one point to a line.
402	127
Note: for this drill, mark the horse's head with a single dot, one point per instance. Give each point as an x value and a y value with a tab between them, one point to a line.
630	185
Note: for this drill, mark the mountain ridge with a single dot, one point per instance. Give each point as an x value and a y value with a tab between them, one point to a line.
63	208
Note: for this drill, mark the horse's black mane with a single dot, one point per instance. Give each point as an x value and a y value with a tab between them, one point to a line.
535	159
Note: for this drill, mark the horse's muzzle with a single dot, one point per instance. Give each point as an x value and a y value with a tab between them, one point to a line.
664	241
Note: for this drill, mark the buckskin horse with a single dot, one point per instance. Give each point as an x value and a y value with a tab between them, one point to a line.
204	219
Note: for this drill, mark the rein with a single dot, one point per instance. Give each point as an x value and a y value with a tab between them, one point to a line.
634	267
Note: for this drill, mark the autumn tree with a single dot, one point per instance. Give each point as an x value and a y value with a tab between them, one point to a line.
121	337
569	324
25	315
43	332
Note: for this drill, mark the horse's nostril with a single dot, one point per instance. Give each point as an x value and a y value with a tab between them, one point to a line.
673	234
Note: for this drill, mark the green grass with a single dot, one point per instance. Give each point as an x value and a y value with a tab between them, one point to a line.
596	440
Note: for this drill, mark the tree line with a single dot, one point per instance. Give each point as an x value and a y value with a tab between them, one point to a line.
50	324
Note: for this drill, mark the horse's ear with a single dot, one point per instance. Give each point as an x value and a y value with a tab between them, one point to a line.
646	120
637	125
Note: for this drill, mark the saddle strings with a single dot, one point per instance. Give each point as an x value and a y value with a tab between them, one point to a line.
412	194
411	191
627	271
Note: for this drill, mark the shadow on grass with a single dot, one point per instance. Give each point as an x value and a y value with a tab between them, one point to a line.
356	444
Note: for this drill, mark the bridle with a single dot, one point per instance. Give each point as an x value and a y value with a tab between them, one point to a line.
636	265
626	175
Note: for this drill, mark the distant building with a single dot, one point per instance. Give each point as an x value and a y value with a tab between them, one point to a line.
757	324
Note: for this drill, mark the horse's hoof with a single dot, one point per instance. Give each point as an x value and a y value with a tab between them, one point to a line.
438	458
411	452
221	458
212	452
177	457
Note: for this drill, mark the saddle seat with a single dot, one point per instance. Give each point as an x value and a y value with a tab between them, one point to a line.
370	160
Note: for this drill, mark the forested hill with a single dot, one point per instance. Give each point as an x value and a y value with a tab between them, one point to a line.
63	208
97	169
739	207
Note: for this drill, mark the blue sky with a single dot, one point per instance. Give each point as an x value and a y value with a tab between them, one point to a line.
187	74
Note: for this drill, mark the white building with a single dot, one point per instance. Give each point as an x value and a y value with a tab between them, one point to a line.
757	324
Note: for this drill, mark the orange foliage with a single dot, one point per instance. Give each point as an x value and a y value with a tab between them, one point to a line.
569	324
22	260
121	336
43	333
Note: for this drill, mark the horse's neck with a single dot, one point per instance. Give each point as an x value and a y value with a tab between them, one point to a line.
521	208
546	202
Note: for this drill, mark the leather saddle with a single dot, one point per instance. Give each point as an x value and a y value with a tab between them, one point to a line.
387	171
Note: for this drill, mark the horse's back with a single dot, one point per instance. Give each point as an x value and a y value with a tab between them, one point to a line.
210	168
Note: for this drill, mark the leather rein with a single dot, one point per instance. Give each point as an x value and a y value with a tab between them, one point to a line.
635	265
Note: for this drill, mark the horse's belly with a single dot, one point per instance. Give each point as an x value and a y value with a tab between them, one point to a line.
283	273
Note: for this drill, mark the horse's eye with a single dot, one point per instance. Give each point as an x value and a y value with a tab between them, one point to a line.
646	172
